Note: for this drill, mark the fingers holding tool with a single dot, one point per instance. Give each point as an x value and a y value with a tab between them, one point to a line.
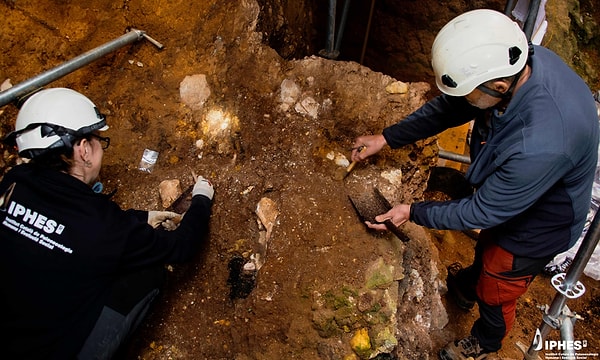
358	150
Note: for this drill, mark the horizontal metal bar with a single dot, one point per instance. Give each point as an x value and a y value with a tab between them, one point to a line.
454	157
65	68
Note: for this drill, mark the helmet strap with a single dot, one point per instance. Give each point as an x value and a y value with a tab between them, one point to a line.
509	93
66	135
490	92
497	94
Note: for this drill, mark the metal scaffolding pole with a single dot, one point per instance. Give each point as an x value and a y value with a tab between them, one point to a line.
34	83
568	287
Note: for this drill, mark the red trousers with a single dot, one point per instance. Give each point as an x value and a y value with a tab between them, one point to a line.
499	278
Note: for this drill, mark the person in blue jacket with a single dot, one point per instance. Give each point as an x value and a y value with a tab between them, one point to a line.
78	274
533	150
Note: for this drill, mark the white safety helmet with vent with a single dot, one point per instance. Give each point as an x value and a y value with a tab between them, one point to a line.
54	118
475	47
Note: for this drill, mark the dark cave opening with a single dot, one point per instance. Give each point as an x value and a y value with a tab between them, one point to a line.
390	36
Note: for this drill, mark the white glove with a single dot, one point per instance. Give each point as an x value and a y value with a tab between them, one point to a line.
203	187
167	219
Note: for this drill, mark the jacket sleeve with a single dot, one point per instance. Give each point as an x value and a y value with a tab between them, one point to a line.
435	116
144	245
509	191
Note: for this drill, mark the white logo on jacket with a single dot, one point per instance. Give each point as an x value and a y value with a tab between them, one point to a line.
35	219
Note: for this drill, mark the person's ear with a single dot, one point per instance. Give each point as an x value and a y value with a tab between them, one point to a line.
500	86
83	149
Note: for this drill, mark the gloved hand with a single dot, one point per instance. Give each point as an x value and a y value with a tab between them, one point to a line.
203	187
167	219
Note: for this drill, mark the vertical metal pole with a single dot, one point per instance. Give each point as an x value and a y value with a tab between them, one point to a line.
510	4
364	48
586	249
566	334
331	28
534	6
584	253
329	52
338	39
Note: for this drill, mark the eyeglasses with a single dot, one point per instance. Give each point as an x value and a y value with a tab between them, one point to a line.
104	141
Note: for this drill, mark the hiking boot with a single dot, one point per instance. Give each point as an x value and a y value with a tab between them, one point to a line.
465	349
464	299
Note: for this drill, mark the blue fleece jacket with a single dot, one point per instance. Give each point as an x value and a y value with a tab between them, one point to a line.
533	165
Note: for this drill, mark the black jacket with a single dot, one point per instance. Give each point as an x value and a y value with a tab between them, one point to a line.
62	247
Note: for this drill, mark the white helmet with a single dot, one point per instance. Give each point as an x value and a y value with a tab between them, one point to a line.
54	118
475	47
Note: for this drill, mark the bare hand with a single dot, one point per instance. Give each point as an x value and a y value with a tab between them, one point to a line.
399	214
365	146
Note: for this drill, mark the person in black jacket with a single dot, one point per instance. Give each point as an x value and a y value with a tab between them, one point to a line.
78	273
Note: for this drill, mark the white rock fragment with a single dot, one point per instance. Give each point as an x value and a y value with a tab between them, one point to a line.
290	92
397	87
338	158
218	129
247	190
327	104
194	91
417	286
267	213
249	266
6	84
341	160
169	191
393	176
308	106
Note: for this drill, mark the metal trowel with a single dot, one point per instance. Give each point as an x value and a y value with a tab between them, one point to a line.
369	206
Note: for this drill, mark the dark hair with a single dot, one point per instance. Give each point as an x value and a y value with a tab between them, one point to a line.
60	159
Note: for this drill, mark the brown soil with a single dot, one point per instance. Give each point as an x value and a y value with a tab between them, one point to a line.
319	256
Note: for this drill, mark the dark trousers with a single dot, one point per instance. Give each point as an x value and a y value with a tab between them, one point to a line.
130	300
498	279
